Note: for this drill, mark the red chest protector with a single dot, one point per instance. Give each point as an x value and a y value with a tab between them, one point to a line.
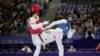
37	31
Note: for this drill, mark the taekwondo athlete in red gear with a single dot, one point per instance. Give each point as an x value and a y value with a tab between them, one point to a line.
35	28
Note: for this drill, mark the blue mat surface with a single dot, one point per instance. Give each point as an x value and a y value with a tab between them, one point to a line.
54	54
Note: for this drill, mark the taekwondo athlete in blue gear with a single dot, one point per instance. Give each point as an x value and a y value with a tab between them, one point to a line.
65	27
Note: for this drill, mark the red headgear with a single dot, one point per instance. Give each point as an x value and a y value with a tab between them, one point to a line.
35	8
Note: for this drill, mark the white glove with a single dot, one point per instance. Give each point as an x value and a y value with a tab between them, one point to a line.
45	22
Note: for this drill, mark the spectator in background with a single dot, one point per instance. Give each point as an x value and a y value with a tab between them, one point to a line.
89	34
49	48
89	37
58	15
98	29
26	49
71	49
98	47
1	1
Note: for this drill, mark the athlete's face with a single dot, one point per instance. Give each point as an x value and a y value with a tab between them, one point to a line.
69	18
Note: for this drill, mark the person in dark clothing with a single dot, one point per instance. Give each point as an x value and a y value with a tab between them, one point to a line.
90	37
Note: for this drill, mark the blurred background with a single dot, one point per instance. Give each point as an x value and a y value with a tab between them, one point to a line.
85	15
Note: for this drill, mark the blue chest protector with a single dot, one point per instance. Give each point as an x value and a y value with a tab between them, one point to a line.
65	27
